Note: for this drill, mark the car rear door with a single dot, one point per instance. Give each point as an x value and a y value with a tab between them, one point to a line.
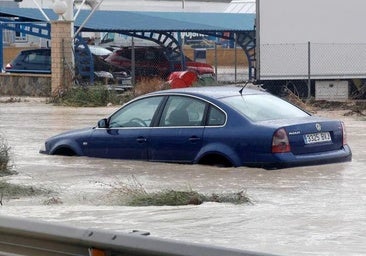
178	136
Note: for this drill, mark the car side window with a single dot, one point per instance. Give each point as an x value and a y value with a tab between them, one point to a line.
31	58
183	111
216	117
38	58
136	114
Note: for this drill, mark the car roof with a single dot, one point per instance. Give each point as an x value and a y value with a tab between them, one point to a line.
97	50
212	91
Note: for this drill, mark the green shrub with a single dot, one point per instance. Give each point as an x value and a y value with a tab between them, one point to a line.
9	191
149	84
174	198
99	95
165	197
134	194
88	96
13	190
4	158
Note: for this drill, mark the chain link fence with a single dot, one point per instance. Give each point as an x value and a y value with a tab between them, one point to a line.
296	66
317	60
228	65
305	65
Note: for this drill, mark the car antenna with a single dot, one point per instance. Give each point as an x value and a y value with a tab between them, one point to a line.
241	90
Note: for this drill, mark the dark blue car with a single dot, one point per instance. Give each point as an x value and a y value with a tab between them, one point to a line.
218	125
36	61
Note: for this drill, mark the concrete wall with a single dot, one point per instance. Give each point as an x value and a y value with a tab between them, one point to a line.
25	85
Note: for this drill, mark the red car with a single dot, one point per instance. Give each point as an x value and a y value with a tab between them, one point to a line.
156	61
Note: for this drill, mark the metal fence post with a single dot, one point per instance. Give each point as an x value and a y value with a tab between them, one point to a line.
2	48
133	62
216	62
309	70
236	60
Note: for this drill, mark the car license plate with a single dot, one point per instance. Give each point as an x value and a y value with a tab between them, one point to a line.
317	137
126	82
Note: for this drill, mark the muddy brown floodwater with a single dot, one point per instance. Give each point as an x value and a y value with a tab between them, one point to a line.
317	210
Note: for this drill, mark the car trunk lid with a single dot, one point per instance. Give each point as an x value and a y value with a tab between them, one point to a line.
317	136
311	134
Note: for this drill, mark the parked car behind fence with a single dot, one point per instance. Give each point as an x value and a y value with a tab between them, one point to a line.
156	61
36	61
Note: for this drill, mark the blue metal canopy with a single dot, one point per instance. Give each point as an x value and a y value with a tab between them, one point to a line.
122	21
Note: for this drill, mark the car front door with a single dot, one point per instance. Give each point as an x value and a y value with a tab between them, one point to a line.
127	133
178	134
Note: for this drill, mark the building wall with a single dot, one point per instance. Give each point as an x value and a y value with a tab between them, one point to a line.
11	52
8	3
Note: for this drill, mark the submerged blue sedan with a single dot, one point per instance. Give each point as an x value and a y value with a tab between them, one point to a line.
220	125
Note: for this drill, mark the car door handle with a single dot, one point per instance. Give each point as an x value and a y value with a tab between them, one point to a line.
194	139
141	139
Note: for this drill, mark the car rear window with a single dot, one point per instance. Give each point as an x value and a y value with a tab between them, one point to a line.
263	107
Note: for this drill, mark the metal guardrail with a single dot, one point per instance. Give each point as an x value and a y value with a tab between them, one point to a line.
29	237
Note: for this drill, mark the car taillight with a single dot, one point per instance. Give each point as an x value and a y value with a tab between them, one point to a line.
280	142
8	66
344	134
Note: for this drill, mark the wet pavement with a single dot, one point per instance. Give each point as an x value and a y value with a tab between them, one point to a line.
317	210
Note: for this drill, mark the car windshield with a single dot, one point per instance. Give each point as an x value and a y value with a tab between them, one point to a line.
262	107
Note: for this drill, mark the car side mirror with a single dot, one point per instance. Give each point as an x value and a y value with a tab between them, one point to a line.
103	123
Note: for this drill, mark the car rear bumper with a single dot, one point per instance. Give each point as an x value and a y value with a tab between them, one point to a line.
286	160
